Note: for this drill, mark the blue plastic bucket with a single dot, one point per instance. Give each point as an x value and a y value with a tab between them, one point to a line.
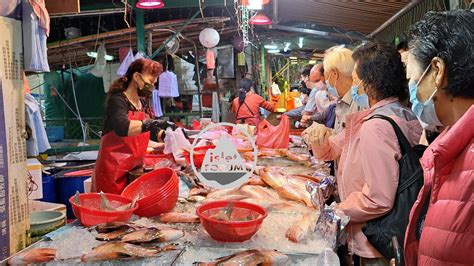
50	189
55	133
67	186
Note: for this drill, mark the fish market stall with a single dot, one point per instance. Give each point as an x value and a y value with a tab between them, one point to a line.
176	237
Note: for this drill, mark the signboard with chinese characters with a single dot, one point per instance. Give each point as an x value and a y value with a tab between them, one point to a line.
14	216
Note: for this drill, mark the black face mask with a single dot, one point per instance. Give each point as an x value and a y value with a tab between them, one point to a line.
147	89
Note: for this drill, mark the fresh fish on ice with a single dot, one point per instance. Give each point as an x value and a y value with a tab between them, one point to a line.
115	235
259	192
32	256
118	250
249	257
273	177
147	235
292	193
110	226
179	217
301	228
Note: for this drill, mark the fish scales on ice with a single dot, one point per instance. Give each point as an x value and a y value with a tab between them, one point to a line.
249	257
119	250
153	235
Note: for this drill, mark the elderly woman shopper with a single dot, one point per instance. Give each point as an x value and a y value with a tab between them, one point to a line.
368	149
441	71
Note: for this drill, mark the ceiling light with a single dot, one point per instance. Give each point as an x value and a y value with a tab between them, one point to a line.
271	46
260	19
150	4
293	58
300	43
273	51
287	47
312	62
94	55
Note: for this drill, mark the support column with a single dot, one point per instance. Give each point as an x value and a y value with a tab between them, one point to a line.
140	26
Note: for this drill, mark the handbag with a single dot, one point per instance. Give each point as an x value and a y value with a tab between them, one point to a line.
380	231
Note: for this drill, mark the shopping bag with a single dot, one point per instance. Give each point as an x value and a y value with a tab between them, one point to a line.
125	63
275	137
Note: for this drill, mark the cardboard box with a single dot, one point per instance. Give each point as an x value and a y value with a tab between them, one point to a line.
35	179
14	215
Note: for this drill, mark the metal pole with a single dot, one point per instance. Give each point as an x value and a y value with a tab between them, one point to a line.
140	25
262	72
176	34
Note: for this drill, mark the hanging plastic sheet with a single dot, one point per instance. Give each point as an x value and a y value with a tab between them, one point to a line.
156	104
35	56
168	85
139	55
126	63
100	65
216	112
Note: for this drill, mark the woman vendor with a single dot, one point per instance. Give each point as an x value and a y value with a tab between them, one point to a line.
128	126
246	106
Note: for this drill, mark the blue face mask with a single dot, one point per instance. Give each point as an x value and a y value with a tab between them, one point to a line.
425	112
361	100
332	90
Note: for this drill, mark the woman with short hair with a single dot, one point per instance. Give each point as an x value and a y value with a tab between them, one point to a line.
440	68
368	149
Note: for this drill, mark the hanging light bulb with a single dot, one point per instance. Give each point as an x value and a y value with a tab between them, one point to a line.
300	43
260	19
150	4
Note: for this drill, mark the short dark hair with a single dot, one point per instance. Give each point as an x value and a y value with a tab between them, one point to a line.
306	70
450	36
380	67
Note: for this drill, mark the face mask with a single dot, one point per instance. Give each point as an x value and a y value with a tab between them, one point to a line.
361	100
332	90
147	89
425	112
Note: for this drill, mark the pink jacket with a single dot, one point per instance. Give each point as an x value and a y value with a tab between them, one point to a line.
368	172
448	232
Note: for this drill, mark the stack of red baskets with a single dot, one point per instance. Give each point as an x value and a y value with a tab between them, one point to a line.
157	192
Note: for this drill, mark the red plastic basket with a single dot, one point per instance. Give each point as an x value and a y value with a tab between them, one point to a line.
88	212
157	192
198	155
231	231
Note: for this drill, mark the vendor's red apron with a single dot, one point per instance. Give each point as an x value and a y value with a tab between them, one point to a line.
117	156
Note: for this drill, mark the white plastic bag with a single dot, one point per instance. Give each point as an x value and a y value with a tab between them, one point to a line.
98	69
156	104
127	61
275	89
139	55
168	85
176	143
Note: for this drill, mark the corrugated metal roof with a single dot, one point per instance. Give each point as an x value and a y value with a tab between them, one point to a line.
359	16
